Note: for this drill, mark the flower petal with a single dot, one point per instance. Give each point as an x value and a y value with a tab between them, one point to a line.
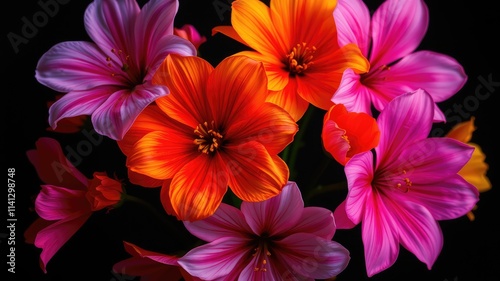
346	134
110	24
236	89
342	220
440	75
418	231
198	187
317	221
155	20
190	33
335	141
217	259
137	251
355	96
252	21
379	233
151	119
274	271
323	79
359	172
165	198
160	155
462	131
169	44
254	174
313	256
352	18
78	103
33	229
289	100
476	169
117	114
294	20
186	78
397	30
143	180
53	167
277	76
74	66
276	215
147	269
229	32
227	221
56	203
435	184
270	125
406	119
54	236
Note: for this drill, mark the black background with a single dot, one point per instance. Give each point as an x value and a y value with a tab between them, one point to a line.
465	30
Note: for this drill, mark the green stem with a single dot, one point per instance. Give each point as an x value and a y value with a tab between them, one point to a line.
290	153
322	189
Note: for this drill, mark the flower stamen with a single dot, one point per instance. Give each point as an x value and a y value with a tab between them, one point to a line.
121	58
208	138
259	253
300	59
407	184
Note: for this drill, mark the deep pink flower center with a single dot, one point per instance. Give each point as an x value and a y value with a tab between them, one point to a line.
399	180
375	75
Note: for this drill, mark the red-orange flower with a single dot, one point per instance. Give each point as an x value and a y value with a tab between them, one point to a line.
214	130
103	191
346	134
297	42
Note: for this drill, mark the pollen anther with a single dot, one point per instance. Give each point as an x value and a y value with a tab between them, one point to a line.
300	58
208	138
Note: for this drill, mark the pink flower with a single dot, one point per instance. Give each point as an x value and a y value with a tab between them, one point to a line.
110	78
389	41
276	239
400	191
151	266
66	200
190	33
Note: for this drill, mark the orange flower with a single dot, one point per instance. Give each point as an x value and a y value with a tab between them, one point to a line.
475	170
297	42
213	130
346	134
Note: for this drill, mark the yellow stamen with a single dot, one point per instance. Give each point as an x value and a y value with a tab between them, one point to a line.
122	58
300	58
407	183
208	138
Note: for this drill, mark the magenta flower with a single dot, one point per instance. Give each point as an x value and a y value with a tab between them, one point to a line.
276	239
400	191
389	41
110	78
67	198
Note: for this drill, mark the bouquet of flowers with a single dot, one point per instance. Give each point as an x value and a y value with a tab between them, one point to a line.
216	146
